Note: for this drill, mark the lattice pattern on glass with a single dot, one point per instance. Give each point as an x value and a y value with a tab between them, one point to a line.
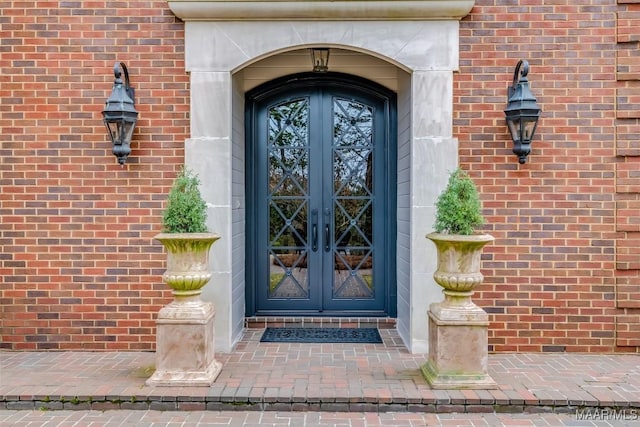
288	157
353	199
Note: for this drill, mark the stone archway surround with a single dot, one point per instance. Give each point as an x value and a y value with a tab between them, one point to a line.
419	37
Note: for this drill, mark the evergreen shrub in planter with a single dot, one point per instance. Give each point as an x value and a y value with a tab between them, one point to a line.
458	208
458	215
186	237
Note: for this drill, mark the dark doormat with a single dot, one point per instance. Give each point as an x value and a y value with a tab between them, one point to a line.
322	335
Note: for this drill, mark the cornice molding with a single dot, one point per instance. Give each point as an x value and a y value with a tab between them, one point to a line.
320	10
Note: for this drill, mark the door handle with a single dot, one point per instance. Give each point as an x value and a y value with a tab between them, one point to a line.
314	230
327	230
314	237
327	235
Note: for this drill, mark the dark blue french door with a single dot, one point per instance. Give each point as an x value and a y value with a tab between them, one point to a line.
320	182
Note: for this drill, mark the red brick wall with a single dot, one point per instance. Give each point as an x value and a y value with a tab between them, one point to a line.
78	265
563	272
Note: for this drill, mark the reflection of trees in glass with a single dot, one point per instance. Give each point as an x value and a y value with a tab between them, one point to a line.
353	223
288	148
353	198
353	144
353	172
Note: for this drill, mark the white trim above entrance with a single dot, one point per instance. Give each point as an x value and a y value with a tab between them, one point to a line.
315	10
219	56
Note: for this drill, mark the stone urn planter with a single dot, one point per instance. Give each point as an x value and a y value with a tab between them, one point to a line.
458	336
187	261
458	270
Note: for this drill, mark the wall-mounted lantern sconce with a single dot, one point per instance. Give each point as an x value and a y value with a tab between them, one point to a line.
522	112
320	59
120	115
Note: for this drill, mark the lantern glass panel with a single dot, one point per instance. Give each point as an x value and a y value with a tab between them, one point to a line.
514	127
528	128
114	131
127	131
120	131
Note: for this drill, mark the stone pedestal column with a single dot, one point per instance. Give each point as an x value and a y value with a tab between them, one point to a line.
185	344
458	338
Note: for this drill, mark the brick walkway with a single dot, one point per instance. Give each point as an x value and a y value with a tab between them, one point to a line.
322	378
293	419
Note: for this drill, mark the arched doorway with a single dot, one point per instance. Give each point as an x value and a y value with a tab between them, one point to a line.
231	51
321	199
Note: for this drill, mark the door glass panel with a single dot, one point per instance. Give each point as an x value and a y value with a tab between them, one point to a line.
288	198
352	200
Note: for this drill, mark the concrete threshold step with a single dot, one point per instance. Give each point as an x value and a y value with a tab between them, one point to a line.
261	322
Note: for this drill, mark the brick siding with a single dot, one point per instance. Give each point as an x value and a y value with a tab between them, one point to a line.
78	265
79	268
563	272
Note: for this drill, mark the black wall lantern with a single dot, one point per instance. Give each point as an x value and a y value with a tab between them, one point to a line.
320	59
120	115
522	112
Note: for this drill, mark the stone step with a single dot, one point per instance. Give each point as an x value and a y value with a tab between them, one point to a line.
261	322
